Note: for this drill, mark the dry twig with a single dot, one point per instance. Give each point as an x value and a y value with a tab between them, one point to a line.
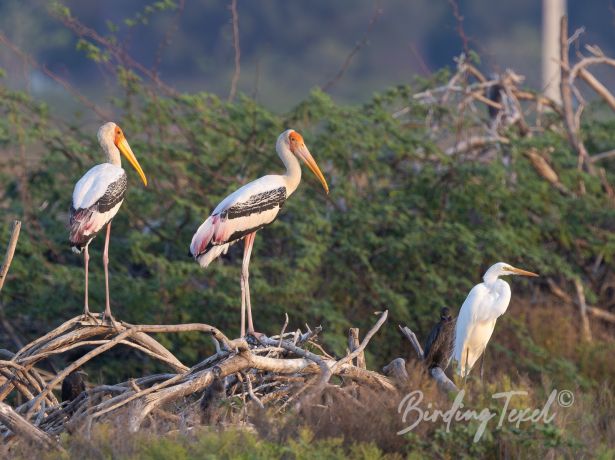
236	72
10	252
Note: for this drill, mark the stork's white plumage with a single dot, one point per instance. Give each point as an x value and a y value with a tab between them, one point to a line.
486	302
97	198
255	205
89	217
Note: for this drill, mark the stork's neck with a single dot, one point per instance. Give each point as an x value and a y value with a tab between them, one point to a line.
293	168
111	151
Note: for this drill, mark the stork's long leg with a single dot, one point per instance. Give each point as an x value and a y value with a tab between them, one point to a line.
86	259
243	303
107	314
245	277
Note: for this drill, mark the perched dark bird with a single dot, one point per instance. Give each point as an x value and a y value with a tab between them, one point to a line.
212	397
494	94
73	385
439	344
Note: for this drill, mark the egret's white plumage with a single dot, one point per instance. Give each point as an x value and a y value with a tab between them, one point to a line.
486	302
257	204
97	198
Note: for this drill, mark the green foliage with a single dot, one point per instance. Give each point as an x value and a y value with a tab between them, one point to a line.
398	231
143	17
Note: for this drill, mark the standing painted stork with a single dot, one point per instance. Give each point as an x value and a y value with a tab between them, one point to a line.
255	205
97	198
485	303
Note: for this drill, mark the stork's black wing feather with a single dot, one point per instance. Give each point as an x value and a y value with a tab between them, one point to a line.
256	204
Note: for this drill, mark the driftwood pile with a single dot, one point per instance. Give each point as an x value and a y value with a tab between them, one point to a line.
282	371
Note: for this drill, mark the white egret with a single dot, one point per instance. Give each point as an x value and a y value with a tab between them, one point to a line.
486	302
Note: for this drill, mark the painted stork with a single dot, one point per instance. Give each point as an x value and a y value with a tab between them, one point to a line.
485	303
255	205
97	198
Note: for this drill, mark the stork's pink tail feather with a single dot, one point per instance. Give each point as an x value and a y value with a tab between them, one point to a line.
203	237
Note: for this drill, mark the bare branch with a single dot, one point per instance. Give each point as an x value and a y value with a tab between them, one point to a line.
586	331
364	343
116	50
602	314
372	22
460	31
565	87
475	142
597	86
353	344
411	336
8	258
10	252
102	114
603	156
444	383
20	426
235	79
397	370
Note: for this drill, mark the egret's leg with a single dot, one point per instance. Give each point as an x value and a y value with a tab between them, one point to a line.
482	364
466	371
107	314
249	242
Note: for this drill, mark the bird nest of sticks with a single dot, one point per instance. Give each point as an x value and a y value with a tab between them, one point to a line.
283	372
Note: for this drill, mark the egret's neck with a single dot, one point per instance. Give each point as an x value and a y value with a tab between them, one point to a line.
500	294
490	278
293	168
111	152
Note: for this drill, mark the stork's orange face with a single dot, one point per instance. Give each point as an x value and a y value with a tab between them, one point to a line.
299	149
295	140
122	144
119	135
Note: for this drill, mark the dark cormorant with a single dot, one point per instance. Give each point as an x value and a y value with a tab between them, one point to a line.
73	385
439	344
494	94
212	399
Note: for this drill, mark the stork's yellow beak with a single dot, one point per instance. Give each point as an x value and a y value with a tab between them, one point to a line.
127	152
518	271
305	154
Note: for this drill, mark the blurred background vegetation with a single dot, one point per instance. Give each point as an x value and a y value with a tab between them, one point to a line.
405	227
287	49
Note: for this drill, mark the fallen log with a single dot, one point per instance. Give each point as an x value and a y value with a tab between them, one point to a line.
22	428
